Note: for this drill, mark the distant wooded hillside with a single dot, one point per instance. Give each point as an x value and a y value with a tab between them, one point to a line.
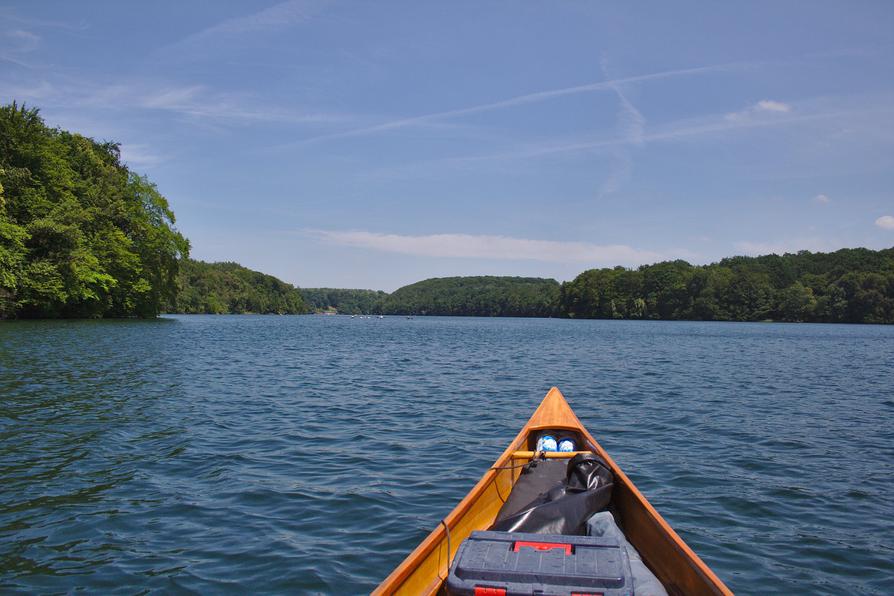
217	288
349	302
846	286
487	296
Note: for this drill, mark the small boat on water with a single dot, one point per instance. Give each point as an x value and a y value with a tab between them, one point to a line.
447	552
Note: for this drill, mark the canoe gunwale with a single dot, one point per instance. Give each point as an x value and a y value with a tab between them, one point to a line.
427	546
554	413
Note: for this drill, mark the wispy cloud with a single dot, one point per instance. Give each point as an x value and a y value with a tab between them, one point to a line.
275	17
768	105
765	106
140	156
17	43
471	246
822	199
10	16
631	126
199	102
674	131
885	222
34	92
193	101
516	101
21	40
790	245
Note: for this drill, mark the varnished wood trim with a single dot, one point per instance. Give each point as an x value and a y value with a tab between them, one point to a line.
546	454
675	564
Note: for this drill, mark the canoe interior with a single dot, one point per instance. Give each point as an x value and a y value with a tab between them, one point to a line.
676	566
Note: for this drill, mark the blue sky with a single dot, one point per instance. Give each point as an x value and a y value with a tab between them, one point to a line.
358	144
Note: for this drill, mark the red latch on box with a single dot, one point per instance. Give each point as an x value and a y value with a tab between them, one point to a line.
489	591
542	546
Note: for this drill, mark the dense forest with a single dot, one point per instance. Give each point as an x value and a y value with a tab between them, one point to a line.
486	296
217	288
846	286
348	302
80	234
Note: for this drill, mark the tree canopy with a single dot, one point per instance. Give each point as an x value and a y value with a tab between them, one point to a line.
487	296
218	288
847	286
80	234
349	302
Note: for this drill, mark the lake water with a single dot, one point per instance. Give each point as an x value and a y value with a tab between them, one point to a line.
311	454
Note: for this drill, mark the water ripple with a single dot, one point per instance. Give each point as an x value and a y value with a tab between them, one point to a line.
310	454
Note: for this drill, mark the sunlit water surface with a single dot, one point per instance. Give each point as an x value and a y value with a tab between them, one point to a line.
311	454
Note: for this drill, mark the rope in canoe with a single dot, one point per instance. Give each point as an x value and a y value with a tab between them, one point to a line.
499	494
496	484
447	530
512	467
495	480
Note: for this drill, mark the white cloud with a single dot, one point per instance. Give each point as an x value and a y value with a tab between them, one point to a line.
16	43
275	17
822	199
66	25
198	102
278	15
768	105
137	155
194	101
786	246
172	98
763	106
35	92
490	247
886	222
21	40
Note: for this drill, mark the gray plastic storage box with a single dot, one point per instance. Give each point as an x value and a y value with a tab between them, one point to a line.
516	563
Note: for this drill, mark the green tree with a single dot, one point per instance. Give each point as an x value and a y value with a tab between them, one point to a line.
217	288
796	303
487	296
849	285
80	235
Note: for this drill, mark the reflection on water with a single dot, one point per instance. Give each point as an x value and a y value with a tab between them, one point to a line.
295	453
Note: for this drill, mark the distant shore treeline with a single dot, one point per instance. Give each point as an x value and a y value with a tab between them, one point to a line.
83	236
469	296
846	286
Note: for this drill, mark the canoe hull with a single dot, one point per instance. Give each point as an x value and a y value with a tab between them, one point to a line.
673	562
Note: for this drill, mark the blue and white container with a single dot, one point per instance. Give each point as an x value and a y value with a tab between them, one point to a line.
566	445
547	443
